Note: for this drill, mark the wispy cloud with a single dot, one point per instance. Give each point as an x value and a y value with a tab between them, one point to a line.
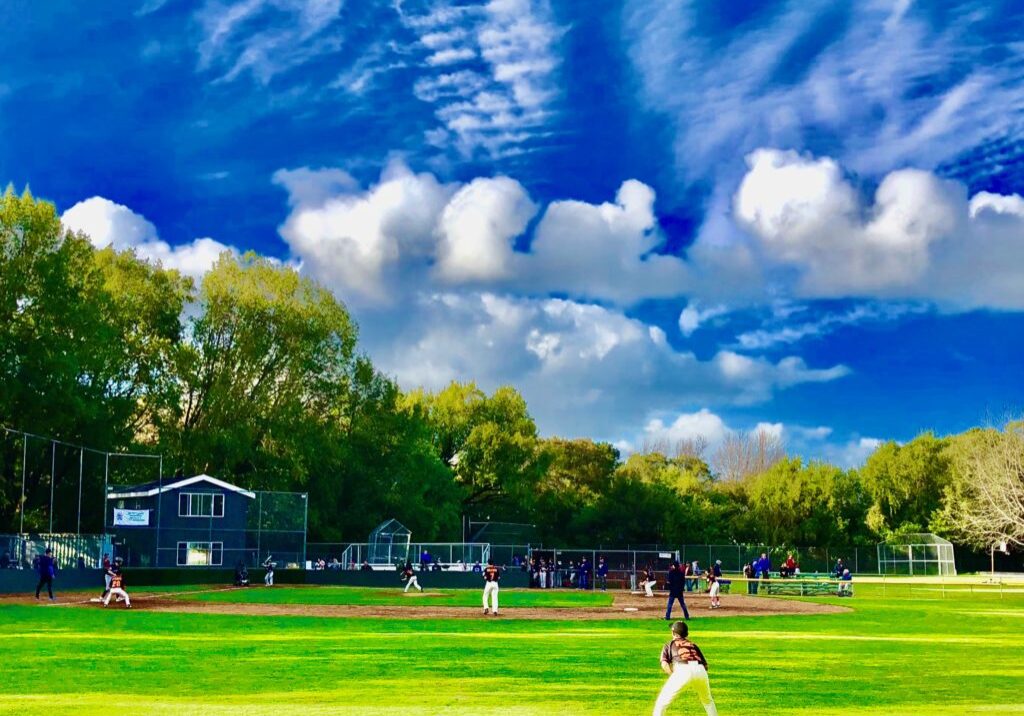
879	85
498	85
780	333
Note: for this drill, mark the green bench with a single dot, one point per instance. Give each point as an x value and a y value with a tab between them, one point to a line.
806	587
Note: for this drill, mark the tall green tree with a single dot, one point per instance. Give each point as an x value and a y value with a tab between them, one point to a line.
905	484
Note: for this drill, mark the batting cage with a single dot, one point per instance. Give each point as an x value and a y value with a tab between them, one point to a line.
389	543
917	554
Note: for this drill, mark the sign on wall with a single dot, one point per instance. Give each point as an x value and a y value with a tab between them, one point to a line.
131	518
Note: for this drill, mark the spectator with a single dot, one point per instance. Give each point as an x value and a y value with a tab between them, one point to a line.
789	566
334	563
632	577
477	568
584	574
716	569
695	574
688	575
748	574
425	559
366	567
846	584
837	572
47	569
81	562
602	574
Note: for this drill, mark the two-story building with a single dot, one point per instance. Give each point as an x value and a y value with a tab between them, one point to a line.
196	521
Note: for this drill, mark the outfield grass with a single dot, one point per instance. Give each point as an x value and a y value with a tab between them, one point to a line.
961	653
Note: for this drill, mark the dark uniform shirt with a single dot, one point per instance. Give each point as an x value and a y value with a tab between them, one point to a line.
676	581
681	651
491	573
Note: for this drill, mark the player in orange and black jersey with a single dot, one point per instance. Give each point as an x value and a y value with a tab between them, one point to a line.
117	585
491	576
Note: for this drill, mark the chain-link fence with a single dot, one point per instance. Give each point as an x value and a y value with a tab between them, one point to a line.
70	551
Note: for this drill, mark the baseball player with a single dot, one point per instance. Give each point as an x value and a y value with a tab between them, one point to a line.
648	582
491	576
686	667
713	588
268	578
117	585
409	577
47	568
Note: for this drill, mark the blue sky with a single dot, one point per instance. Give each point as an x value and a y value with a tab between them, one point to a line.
657	219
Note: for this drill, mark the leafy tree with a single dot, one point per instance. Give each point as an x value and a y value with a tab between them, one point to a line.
577	474
263	377
905	484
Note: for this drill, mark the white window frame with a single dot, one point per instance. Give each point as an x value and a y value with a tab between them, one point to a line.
191	501
209	549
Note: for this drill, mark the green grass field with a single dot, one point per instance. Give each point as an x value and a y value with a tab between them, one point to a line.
952	654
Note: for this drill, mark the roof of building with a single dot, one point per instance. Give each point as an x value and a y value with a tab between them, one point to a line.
149	489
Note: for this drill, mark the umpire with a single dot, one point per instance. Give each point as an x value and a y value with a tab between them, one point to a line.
47	571
676	584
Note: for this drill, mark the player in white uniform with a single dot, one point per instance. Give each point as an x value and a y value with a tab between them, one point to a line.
491	576
686	667
409	576
117	586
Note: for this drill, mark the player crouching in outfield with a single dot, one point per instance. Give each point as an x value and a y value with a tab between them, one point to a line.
491	576
409	577
117	586
686	667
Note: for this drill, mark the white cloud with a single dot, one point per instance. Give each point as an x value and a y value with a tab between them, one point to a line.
687	427
477	229
920	239
107	223
354	241
584	369
691	317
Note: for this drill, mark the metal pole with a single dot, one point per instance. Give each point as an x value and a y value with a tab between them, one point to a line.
305	525
24	462
81	457
259	527
159	510
53	479
106	479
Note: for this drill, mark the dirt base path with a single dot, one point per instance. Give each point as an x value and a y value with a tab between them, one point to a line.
625	606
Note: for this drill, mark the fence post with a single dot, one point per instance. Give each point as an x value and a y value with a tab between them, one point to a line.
305	525
106	489
53	479
24	462
81	457
259	527
159	511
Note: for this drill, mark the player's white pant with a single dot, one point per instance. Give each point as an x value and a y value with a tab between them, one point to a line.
543	579
714	593
117	592
491	591
269	579
106	583
690	675
648	586
412	583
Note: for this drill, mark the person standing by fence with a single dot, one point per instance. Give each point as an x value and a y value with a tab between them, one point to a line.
602	574
748	574
47	571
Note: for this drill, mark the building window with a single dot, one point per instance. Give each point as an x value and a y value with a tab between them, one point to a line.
200	504
200	554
